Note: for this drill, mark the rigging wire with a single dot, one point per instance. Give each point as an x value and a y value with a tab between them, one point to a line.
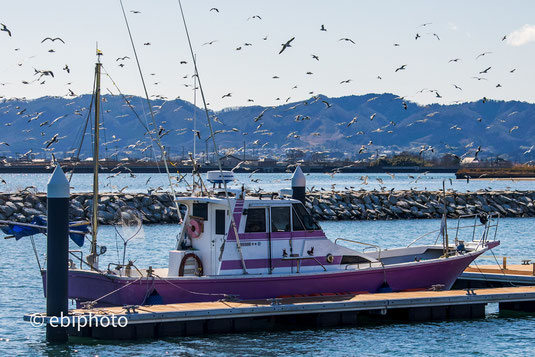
126	100
159	142
216	151
103	127
82	133
35	252
143	124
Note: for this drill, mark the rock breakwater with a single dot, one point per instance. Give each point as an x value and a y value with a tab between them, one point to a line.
418	204
347	205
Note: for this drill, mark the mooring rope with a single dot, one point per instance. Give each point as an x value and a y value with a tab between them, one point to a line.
192	292
93	302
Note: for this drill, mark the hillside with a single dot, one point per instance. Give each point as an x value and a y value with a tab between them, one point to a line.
320	124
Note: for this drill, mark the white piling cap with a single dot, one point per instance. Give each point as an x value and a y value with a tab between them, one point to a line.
298	178
58	185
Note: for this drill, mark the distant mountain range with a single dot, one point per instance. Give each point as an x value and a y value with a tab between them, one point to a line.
384	123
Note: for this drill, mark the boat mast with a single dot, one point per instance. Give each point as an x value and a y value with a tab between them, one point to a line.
194	113
94	218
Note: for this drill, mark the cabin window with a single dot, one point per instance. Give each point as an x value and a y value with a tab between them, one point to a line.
200	210
353	259
219	221
297	222
256	220
280	219
301	214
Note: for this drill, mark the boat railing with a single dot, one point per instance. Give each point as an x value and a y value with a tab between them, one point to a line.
298	259
488	222
423	236
365	249
80	258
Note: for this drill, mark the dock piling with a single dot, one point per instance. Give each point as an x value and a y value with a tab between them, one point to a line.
57	253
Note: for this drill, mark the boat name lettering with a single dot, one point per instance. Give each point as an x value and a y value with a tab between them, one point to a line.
247	244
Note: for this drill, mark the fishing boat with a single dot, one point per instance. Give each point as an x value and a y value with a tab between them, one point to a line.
235	246
268	248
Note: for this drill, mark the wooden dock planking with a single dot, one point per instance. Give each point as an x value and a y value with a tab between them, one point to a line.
516	269
188	311
493	276
188	319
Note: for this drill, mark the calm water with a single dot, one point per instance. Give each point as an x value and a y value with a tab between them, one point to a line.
21	292
272	182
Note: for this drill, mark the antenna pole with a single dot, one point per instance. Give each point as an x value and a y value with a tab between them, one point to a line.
194	112
445	232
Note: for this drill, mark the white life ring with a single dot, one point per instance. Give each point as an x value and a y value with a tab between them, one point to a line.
197	261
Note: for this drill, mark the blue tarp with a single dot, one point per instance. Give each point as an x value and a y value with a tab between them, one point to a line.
20	231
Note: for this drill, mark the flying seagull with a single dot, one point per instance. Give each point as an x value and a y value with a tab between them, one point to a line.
287	44
260	115
482	54
53	39
53	140
4	28
209	43
400	68
347	40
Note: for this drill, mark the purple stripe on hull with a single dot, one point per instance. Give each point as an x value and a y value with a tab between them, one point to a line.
87	286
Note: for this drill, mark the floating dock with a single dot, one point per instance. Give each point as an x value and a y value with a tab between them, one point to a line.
493	276
189	319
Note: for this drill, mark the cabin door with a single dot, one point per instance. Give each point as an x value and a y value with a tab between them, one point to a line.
279	232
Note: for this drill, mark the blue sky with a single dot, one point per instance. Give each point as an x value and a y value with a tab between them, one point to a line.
465	28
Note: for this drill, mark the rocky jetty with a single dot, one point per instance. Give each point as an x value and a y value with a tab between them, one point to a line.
418	204
351	205
155	208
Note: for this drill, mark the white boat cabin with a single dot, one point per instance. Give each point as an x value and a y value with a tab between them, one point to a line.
276	236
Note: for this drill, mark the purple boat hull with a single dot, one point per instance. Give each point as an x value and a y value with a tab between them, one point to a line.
109	290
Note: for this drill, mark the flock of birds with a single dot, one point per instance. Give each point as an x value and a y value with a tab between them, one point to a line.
145	146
